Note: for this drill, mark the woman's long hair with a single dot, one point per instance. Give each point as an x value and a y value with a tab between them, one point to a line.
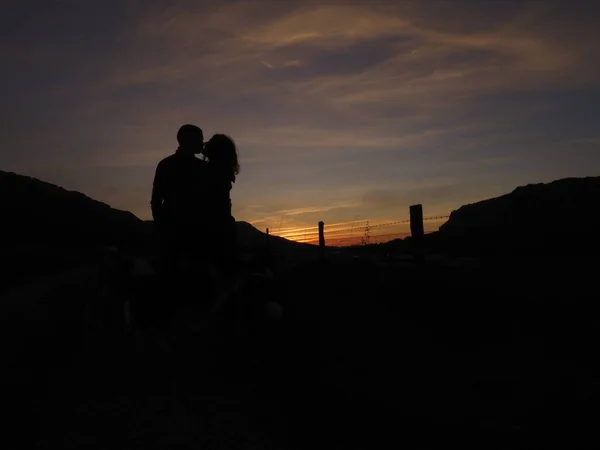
222	152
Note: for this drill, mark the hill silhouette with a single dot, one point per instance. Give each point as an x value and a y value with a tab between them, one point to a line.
50	227
561	217
42	213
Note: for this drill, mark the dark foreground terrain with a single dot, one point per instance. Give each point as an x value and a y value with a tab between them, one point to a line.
490	354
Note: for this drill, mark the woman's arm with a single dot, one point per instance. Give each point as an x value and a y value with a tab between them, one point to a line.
223	198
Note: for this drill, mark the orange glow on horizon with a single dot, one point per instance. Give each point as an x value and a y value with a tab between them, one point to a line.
355	239
342	235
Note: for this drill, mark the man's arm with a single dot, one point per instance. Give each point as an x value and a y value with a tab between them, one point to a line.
158	190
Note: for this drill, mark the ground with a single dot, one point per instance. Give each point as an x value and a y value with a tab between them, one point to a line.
497	356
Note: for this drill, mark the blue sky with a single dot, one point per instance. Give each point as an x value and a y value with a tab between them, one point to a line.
340	109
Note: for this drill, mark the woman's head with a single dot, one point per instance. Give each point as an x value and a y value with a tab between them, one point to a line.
222	152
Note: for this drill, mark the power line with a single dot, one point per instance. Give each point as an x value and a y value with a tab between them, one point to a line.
355	238
346	230
315	230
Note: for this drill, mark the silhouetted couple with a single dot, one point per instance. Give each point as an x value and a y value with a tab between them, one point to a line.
191	203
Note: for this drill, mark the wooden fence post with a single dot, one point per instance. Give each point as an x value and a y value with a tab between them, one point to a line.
267	250
417	232
416	222
322	239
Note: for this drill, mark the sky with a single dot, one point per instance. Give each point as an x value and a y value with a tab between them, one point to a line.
344	112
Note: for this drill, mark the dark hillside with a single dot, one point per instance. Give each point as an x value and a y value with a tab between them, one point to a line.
46	228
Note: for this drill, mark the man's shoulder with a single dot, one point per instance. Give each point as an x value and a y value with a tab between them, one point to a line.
167	161
174	160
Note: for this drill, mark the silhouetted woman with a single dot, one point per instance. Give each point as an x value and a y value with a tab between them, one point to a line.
223	166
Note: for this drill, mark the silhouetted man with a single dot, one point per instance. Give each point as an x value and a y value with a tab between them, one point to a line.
176	194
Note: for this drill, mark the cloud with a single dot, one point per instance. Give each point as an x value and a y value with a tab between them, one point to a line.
426	59
293	63
588	141
420	72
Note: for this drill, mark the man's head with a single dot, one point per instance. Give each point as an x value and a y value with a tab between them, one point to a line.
190	138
